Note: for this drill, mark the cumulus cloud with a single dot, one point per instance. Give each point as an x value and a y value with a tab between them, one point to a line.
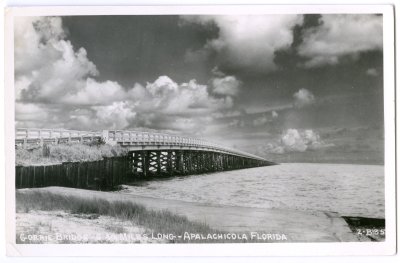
55	85
50	74
162	86
94	93
303	98
46	65
224	85
247	41
114	116
31	35
341	35
187	98
294	140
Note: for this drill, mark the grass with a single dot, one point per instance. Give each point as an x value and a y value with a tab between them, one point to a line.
155	221
36	228
72	152
116	229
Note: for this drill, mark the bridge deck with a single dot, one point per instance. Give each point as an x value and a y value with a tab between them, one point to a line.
134	140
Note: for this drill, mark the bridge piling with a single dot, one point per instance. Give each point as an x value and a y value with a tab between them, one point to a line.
170	162
155	163
145	163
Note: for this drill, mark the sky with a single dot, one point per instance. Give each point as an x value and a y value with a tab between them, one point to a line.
267	84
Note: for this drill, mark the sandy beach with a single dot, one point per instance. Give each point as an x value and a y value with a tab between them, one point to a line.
296	226
60	227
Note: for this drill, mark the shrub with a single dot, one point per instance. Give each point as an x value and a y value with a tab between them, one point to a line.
73	152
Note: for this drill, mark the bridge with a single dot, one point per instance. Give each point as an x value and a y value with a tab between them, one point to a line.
151	153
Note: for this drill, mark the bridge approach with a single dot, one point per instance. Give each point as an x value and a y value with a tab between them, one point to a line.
151	153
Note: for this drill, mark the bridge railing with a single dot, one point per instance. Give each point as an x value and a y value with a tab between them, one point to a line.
22	135
32	133
148	138
155	138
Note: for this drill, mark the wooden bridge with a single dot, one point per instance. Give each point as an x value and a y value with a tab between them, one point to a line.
152	153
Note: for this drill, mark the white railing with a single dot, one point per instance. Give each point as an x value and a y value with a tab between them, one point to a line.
30	133
125	138
150	138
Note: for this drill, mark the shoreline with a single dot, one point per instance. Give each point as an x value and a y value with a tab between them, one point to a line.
297	226
50	162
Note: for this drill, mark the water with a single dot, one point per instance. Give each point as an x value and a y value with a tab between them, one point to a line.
351	190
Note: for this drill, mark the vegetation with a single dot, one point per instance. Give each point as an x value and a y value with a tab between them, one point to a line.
73	152
155	221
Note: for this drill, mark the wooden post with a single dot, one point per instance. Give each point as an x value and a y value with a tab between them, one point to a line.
201	162
34	179
180	162
132	165
189	157
158	160
169	163
145	163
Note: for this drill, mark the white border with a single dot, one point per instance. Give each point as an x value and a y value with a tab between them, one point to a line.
276	249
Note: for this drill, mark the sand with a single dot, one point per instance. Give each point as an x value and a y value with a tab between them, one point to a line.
60	227
297	226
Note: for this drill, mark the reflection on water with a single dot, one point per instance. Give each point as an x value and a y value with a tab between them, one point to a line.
352	190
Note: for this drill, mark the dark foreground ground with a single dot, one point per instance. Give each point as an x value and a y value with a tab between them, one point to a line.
48	210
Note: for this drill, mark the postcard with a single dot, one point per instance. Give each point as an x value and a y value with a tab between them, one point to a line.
200	130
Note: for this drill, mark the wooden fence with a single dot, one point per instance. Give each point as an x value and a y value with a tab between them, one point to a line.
100	175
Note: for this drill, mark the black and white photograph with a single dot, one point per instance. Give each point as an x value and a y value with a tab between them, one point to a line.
201	128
